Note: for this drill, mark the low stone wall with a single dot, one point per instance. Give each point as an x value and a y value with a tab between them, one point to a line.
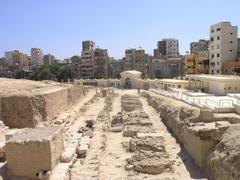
197	129
20	111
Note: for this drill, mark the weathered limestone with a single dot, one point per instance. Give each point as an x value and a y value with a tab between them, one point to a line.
28	110
34	152
155	144
223	161
150	162
197	129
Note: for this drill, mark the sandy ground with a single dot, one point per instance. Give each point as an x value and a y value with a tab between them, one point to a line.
21	86
184	168
114	158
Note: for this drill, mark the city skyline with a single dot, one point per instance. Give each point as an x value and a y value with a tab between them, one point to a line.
116	26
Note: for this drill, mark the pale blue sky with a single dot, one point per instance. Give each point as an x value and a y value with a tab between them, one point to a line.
59	26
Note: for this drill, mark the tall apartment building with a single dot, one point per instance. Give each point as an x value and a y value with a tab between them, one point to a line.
9	57
36	57
101	63
223	45
48	59
87	60
200	46
134	59
168	48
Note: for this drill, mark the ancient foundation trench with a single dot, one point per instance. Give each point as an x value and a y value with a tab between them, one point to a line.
129	141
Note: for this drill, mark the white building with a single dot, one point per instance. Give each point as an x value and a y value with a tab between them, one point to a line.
215	84
36	57
223	45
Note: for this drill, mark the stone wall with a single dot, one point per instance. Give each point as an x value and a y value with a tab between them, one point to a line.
24	110
197	129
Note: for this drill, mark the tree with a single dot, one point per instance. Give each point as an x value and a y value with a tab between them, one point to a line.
20	74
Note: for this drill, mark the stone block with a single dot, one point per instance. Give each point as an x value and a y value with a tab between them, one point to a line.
34	152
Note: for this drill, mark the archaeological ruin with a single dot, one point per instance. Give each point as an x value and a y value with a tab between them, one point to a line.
130	128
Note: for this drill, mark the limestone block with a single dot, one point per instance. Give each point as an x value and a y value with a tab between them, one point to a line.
34	151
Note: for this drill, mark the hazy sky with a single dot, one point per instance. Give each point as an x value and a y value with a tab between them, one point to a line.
59	26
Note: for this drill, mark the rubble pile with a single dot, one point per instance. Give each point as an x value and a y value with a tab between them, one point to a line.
149	162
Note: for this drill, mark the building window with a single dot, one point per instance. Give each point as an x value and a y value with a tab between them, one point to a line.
212	38
217	71
218	29
212	55
231	42
218	55
218	38
231	50
212	30
231	33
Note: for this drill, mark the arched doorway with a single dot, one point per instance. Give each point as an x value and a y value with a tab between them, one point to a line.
128	83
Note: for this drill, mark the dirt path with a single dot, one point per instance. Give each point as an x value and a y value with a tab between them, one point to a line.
184	167
114	158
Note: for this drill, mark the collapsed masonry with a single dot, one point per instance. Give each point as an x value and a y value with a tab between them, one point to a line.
149	155
209	138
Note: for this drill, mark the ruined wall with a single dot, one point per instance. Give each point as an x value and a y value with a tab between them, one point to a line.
224	160
24	110
195	128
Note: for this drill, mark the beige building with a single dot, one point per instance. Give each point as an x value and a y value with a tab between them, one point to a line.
135	59
223	45
215	84
36	57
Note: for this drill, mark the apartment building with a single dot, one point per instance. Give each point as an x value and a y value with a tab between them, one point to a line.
197	63
16	60
101	63
136	59
48	59
223	45
129	60
9	57
36	57
166	68
200	46
167	47
87	60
